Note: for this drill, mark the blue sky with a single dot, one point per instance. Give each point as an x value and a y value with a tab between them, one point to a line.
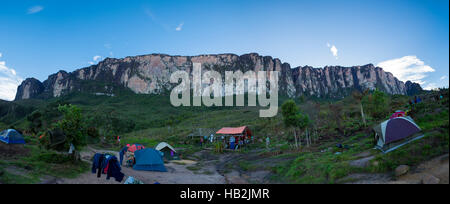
406	37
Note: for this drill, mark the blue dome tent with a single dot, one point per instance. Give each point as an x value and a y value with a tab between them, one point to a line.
149	159
11	136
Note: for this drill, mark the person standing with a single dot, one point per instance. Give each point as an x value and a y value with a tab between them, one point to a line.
267	142
232	142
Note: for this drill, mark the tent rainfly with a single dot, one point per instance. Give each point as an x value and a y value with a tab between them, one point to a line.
396	132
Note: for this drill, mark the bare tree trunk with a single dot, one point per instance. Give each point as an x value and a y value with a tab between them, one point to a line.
315	136
300	140
295	136
362	114
307	138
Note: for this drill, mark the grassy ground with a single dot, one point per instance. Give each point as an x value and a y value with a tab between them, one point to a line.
323	162
38	165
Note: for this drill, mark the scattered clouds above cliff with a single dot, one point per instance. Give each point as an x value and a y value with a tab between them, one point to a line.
442	78
9	81
407	68
35	9
179	27
333	50
95	59
431	86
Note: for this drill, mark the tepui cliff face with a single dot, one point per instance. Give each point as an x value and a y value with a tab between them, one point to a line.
150	74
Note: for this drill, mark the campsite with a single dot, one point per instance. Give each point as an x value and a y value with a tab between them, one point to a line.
224	92
398	143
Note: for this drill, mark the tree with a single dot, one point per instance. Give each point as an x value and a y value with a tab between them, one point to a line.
72	126
293	118
376	104
358	96
336	117
302	123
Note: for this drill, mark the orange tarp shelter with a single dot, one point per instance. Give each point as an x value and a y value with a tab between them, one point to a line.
243	131
235	131
239	133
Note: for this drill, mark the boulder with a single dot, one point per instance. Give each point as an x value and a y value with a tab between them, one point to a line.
401	170
430	179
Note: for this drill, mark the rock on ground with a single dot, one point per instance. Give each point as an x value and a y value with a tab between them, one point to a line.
401	170
430	179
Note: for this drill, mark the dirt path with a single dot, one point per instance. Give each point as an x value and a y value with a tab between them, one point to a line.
435	168
176	174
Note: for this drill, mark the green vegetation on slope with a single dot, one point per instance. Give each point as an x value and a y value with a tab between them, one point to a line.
150	119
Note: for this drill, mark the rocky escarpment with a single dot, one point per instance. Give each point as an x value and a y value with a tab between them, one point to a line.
413	88
29	88
150	74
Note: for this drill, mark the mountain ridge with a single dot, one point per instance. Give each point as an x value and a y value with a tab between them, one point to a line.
150	74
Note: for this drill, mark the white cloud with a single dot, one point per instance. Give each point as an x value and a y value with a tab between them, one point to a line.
97	57
442	78
431	86
35	9
179	27
333	50
407	68
9	81
1	54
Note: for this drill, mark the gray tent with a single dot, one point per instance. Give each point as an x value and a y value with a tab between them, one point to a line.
396	132
169	152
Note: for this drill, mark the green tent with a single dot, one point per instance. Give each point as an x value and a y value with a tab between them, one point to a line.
169	152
